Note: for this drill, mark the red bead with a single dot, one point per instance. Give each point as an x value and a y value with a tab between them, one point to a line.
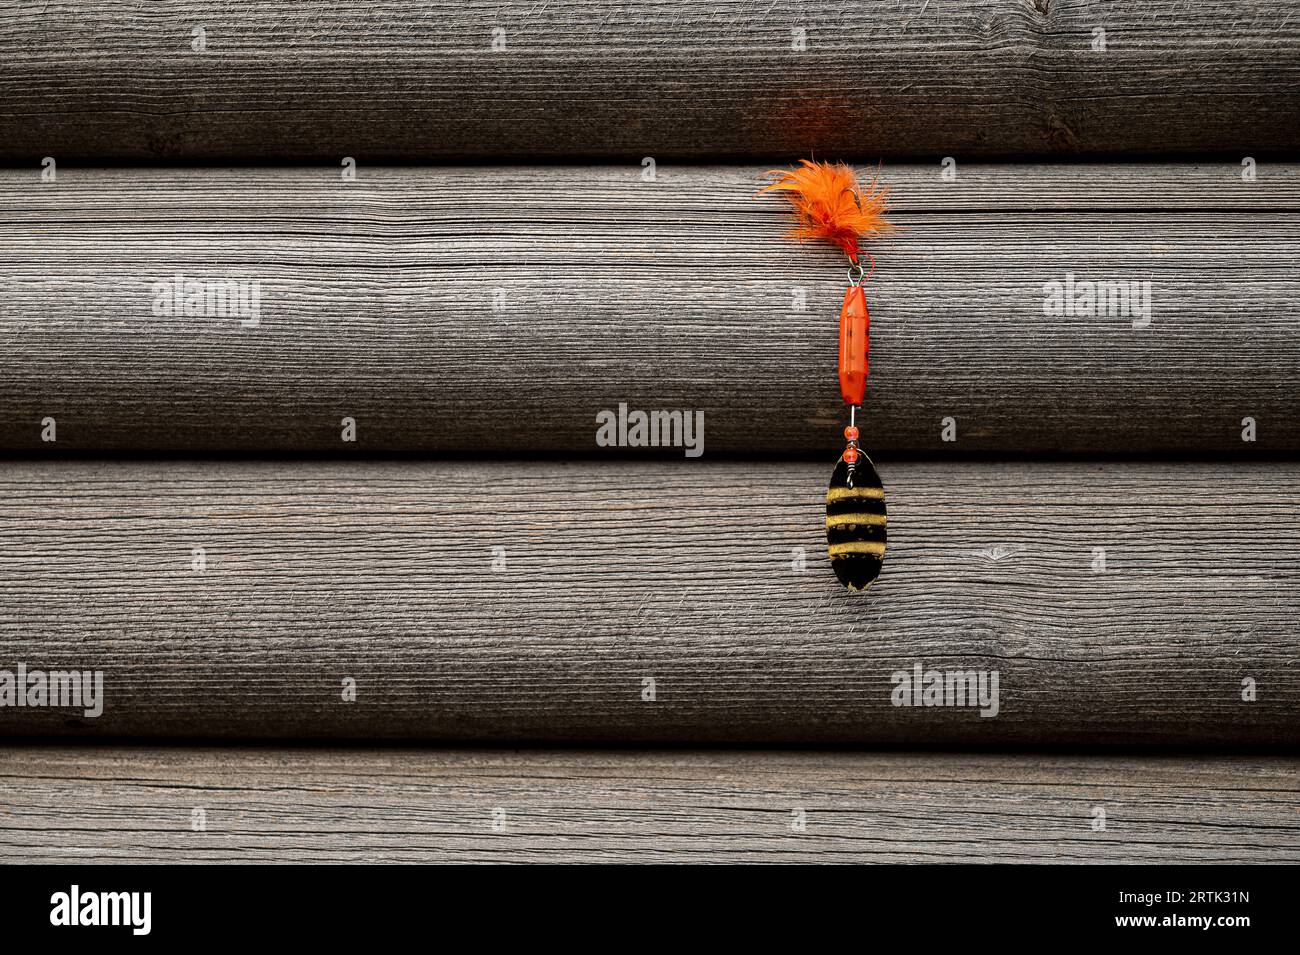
850	455
851	433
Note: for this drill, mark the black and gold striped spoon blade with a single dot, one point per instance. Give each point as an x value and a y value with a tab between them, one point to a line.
855	523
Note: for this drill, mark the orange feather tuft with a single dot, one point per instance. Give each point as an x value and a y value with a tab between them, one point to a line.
829	204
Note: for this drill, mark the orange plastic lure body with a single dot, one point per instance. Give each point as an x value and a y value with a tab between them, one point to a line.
855	341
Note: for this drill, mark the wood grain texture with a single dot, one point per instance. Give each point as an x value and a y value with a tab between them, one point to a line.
498	310
60	805
420	81
685	574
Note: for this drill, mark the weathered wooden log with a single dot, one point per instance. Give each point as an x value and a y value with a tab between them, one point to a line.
502	310
1134	603
391	805
417	81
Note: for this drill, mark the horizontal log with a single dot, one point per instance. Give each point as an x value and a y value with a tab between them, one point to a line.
421	81
390	805
1135	603
494	310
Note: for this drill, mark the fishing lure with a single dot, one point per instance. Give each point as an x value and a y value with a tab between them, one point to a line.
830	207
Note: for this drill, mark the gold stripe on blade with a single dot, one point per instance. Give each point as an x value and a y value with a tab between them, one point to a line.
877	548
859	493
839	520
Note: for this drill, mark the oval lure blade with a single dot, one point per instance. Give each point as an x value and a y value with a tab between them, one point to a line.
855	523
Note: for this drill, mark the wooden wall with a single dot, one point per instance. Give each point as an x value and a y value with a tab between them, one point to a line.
474	227
1121	603
135	804
436	81
498	310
